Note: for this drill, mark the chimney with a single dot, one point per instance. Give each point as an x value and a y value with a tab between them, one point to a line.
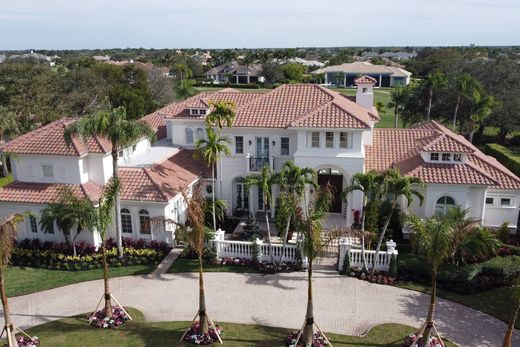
365	93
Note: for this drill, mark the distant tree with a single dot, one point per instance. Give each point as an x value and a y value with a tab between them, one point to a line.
398	97
272	72
434	81
463	86
380	107
293	71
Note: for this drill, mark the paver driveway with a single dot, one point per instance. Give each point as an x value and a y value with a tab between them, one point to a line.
343	305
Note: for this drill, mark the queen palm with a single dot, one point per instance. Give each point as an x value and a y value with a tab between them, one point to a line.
484	105
434	81
8	125
433	238
68	212
371	185
121	131
395	185
398	98
210	149
264	183
8	231
464	87
102	221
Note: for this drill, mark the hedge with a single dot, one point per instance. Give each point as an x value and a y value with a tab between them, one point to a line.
231	85
504	155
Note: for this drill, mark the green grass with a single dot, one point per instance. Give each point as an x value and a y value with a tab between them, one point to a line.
26	280
74	331
5	180
496	302
380	95
192	265
216	89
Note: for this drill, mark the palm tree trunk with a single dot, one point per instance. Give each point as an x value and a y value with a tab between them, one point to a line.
471	134
382	236
108	302
213	197
363	214
508	338
117	205
285	239
7	315
203	321
430	98
455	114
5	170
431	311
266	206
78	230
308	331
396	115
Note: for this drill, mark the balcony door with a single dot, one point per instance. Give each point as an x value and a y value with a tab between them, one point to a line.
262	147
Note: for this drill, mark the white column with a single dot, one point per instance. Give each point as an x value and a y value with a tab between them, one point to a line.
326	78
380	80
344	80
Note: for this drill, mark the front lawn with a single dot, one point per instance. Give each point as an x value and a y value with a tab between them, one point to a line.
26	280
192	265
74	331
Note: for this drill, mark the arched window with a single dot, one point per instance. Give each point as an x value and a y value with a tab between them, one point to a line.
200	134
126	221
189	136
144	222
444	204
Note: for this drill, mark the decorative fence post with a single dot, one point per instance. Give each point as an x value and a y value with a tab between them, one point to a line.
258	243
344	250
217	237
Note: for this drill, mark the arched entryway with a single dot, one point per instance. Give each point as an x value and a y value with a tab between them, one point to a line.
240	201
334	179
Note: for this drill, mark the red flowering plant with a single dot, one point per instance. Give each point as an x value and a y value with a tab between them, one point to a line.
318	341
26	341
434	341
194	337
99	320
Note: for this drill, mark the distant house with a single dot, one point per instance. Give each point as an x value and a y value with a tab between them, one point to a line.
345	74
305	62
202	58
34	57
147	67
235	73
101	58
390	55
2	58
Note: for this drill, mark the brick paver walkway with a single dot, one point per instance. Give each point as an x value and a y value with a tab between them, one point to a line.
342	305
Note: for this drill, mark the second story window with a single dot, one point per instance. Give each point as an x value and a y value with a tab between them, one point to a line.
189	136
284	146
457	157
434	156
200	134
315	139
344	140
239	144
48	171
446	156
329	139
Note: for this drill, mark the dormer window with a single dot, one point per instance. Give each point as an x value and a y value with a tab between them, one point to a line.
457	157
197	111
194	111
202	111
453	158
446	156
434	156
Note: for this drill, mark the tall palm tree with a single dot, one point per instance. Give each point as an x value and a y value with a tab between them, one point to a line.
508	337
210	149
314	241
398	98
293	179
464	229
433	237
484	105
395	186
464	86
434	81
68	212
122	132
371	184
8	231
8	125
101	223
264	182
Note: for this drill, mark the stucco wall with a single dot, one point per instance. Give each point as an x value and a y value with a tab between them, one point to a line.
28	168
495	215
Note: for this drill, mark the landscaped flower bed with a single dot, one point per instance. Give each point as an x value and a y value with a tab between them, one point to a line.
57	257
434	341
319	340
376	277
193	336
25	341
99	320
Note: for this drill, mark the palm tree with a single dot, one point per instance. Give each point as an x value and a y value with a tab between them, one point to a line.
434	81
395	186
434	238
508	337
8	125
8	231
293	179
398	98
264	182
70	210
122	132
313	243
464	228
371	185
102	220
464	85
484	105
194	232
210	149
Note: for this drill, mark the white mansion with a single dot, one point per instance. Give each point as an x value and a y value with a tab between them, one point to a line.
311	125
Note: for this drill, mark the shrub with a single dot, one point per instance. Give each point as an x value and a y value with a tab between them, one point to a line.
504	155
393	267
255	250
508	267
346	265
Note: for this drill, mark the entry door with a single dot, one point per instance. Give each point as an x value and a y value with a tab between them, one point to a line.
336	183
262	147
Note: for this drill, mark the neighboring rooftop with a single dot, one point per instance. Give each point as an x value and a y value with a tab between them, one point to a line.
362	68
158	152
44	193
235	68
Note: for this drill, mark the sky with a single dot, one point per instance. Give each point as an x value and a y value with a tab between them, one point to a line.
77	24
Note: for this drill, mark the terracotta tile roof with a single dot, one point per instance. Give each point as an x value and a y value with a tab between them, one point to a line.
49	140
164	180
44	193
365	80
157	122
291	105
402	148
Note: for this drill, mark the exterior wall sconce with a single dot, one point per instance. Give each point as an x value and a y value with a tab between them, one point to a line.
250	143
274	143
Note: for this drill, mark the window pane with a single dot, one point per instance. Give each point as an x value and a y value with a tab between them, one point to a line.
200	134
126	221
344	140
329	139
239	144
434	156
457	157
490	201
34	225
144	221
189	136
315	139
446	156
284	146
505	202
48	171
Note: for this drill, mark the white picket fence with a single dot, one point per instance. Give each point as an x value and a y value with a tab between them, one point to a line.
244	249
383	258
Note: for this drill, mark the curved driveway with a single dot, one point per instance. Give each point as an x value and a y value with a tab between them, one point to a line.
342	305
